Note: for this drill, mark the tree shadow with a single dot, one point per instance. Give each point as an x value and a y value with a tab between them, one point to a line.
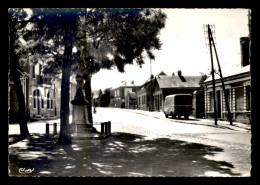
120	155
15	138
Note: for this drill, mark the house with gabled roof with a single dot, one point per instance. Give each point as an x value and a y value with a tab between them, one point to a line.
164	85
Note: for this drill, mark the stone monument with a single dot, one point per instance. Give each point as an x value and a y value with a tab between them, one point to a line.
79	117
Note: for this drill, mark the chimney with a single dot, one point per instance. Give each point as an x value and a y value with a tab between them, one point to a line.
179	73
181	77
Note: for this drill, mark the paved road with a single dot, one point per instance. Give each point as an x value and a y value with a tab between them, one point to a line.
236	144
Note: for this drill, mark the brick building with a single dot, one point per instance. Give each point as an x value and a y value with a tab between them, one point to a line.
118	95
42	95
238	88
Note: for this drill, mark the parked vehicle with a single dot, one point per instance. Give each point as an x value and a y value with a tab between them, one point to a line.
178	105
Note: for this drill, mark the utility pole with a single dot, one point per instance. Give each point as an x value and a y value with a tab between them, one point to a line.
222	81
213	77
151	77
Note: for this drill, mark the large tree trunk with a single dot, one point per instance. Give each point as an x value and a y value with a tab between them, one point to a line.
65	137
87	87
24	132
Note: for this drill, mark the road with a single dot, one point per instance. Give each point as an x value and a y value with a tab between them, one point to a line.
236	145
140	145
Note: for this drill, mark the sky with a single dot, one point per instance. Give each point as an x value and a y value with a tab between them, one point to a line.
184	46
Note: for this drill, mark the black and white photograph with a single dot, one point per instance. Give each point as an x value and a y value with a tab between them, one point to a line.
129	92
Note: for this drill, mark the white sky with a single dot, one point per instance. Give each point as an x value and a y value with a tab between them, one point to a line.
184	46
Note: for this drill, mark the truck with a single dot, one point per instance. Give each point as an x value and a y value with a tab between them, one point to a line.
178	105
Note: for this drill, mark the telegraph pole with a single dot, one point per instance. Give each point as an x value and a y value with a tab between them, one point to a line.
213	77
151	77
222	81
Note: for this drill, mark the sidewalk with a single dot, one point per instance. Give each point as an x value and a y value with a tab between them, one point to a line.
198	121
120	155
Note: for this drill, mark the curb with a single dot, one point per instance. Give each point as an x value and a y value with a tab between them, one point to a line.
232	127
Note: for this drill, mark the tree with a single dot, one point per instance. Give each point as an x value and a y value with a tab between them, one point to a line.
103	37
17	27
55	32
116	37
105	98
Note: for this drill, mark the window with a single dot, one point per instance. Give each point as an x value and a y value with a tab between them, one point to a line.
36	102
48	100
239	99
51	104
244	42
248	98
40	69
42	103
33	72
228	99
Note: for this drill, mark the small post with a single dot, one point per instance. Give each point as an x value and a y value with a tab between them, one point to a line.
106	128
102	128
47	129
109	127
55	128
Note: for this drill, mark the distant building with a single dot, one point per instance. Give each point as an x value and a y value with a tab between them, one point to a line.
144	95
165	85
131	100
152	93
238	88
118	95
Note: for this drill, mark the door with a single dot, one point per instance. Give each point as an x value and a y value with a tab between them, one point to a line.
218	103
36	101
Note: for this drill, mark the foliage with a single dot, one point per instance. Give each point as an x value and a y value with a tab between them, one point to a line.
116	37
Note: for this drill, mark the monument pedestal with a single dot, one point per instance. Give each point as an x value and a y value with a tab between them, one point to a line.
79	121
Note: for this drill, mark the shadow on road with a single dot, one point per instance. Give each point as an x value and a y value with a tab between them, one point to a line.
122	155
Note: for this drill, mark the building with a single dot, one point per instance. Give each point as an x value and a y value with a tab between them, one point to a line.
165	85
238	88
118	95
144	95
131	100
42	95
